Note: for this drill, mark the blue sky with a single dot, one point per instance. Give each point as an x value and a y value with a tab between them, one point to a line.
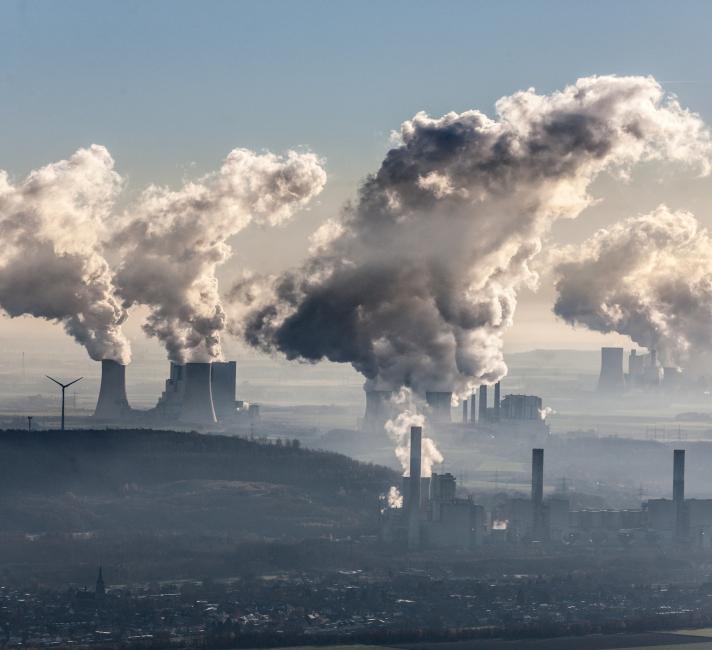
170	87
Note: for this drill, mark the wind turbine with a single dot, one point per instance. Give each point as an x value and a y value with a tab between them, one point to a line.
63	387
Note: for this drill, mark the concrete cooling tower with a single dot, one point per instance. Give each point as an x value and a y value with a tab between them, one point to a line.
112	403
197	407
439	402
611	377
223	379
378	409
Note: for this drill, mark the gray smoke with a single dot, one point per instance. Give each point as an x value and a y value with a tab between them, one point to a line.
173	241
51	260
649	278
418	280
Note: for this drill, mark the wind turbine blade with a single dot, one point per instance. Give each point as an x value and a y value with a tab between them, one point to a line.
73	382
54	380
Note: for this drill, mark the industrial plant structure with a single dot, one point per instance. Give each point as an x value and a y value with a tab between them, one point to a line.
433	516
195	394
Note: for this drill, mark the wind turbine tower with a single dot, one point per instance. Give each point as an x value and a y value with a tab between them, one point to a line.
63	387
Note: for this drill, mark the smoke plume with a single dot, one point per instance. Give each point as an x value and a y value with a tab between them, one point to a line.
173	242
398	429
649	278
51	262
418	280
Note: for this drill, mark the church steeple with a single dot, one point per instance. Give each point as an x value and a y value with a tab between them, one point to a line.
100	589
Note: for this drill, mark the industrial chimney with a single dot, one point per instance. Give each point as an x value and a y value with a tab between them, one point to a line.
439	402
482	414
197	405
112	403
378	409
223	380
473	408
537	494
496	400
413	504
678	493
464	411
611	377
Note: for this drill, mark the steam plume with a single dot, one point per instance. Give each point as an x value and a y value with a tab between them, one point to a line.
418	280
173	242
51	262
398	430
648	277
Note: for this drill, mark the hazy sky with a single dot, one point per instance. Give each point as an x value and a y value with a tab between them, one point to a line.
170	87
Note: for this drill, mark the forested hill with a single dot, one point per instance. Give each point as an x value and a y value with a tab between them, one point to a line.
106	460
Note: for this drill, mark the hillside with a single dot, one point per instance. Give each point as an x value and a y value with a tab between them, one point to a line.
169	482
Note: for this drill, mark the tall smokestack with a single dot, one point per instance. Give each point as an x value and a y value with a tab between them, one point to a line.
537	494
611	377
112	403
439	402
678	492
496	400
223	381
197	396
416	441
464	411
482	415
377	409
473	408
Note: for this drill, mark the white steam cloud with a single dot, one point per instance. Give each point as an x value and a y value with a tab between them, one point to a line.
416	283
173	241
648	277
52	264
398	429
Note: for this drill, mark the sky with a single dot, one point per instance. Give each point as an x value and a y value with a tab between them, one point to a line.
171	87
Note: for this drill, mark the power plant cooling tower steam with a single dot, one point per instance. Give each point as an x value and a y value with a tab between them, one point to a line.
439	402
416	281
223	379
197	407
413	505
112	403
611	377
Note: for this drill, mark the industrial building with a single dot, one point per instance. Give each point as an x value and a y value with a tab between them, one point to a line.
611	378
195	394
432	516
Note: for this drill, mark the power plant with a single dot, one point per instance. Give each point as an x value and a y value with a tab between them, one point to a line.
195	394
439	402
112	403
611	377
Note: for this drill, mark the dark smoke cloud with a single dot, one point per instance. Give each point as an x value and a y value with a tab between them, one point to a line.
649	278
51	261
173	241
418	280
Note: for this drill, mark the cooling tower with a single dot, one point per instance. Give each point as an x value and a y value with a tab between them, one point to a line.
439	402
378	409
611	378
678	492
197	405
112	403
537	494
413	504
223	379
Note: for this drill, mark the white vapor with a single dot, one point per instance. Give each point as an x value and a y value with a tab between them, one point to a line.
173	241
398	429
52	264
648	277
416	283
